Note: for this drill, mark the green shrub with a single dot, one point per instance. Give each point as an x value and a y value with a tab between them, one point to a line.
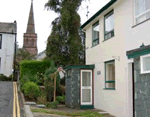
31	90
42	98
61	99
4	78
34	67
52	105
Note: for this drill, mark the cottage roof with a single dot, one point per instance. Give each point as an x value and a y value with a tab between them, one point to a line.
98	13
8	27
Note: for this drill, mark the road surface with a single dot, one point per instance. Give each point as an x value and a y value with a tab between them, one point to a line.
6	99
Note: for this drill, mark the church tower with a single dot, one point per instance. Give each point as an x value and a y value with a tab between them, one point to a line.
30	37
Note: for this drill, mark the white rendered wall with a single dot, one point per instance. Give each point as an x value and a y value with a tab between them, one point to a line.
7	54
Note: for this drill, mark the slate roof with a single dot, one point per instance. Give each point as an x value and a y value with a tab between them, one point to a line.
40	53
8	27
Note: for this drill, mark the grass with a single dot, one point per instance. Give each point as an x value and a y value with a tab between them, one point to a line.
73	114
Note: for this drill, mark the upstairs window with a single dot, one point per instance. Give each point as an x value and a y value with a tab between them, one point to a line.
0	41
95	34
110	74
109	25
142	10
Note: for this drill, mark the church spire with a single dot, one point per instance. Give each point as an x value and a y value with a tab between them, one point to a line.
30	26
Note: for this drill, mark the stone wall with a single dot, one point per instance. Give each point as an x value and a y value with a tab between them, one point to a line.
73	89
142	91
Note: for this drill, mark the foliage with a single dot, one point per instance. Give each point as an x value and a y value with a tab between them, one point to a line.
65	45
52	105
60	90
61	99
71	114
21	55
49	81
31	90
33	71
5	78
42	98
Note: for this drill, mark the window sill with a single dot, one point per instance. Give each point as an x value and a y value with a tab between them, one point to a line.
141	23
109	89
94	46
108	38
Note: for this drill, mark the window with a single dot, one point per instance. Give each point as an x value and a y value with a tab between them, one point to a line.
145	64
110	75
95	34
0	41
109	25
142	10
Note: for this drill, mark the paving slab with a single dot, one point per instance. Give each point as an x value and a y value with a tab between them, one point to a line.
40	106
30	103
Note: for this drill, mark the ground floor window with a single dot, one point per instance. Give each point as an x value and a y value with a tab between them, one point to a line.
110	74
145	64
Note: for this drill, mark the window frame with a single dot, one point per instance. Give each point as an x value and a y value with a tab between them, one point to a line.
106	76
0	41
93	40
112	31
137	16
141	62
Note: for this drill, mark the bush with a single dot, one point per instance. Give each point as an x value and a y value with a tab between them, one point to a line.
31	90
4	78
52	105
61	99
33	67
34	70
42	98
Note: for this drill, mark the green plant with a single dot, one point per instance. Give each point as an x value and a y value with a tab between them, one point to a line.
31	90
49	81
4	78
42	98
61	99
34	67
52	105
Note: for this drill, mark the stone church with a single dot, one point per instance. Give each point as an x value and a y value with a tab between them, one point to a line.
30	37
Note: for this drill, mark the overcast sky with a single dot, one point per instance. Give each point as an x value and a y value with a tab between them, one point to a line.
18	10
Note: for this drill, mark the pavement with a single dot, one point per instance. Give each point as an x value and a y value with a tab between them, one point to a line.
6	99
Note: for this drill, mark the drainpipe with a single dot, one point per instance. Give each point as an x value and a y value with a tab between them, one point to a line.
14	77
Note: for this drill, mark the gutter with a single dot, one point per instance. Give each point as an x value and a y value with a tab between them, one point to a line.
98	13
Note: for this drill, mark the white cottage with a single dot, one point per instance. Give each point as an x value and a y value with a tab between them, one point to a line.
120	26
8	33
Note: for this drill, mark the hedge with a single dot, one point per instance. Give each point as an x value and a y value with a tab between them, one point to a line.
33	67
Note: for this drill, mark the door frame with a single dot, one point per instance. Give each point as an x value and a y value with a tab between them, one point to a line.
91	71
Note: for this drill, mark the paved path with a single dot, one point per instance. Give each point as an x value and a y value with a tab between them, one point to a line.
6	99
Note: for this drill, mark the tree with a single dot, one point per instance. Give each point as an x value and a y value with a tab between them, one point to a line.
64	45
22	54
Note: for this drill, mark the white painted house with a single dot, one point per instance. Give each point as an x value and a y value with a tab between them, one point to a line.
8	32
120	26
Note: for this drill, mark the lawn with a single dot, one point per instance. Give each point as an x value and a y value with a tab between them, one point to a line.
73	114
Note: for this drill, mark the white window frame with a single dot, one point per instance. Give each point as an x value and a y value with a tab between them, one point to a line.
141	62
135	17
87	87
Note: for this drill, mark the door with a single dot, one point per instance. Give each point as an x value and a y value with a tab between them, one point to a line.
86	87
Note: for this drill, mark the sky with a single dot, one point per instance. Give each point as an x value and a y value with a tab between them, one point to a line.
18	10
